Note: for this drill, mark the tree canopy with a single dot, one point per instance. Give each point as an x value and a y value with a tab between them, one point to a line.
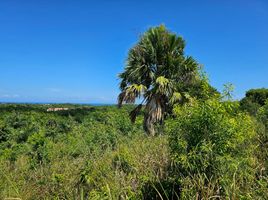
158	72
254	99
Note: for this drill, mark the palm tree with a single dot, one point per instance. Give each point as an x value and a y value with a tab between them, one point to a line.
156	71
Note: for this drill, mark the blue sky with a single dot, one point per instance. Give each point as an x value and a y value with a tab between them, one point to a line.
72	51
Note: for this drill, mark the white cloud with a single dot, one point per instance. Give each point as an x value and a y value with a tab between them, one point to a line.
9	96
54	90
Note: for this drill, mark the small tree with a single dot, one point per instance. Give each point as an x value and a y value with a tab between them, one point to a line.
254	99
228	91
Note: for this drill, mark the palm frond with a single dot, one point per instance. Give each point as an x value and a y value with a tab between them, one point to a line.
130	94
176	97
120	99
134	113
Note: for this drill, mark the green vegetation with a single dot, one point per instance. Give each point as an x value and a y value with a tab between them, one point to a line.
254	99
158	71
210	147
213	151
82	153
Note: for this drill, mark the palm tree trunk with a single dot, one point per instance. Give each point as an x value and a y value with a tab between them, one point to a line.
148	126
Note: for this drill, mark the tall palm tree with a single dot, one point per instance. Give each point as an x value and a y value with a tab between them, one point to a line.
156	71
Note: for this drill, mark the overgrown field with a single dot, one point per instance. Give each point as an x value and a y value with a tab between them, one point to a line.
206	150
83	153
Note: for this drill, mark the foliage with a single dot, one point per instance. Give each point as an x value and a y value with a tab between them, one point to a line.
83	153
228	91
254	99
213	151
158	72
262	117
212	148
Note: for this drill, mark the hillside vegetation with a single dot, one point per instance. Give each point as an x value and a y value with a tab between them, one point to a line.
208	149
83	153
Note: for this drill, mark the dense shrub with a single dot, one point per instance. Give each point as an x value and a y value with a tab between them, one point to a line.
254	99
262	116
212	150
97	153
83	153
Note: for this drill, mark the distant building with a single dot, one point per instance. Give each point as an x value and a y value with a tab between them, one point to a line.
56	109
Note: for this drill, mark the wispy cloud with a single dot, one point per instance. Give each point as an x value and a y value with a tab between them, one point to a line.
54	90
9	96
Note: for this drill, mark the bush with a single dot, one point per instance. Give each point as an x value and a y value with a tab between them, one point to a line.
262	117
255	98
212	150
39	149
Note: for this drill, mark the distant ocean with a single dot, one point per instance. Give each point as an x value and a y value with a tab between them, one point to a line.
97	104
43	103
